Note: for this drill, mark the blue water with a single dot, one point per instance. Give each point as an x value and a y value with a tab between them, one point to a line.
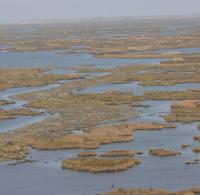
137	89
51	58
21	121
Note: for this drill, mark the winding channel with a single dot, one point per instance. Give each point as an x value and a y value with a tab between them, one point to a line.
21	121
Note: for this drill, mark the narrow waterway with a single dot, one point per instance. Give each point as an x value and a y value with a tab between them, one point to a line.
21	121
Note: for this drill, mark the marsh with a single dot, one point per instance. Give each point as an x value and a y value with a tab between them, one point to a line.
75	96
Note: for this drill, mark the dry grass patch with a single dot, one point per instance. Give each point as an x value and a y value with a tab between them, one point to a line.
163	152
196	149
149	126
107	42
29	77
165	74
93	138
96	165
121	153
90	140
13	151
184	111
49	135
79	111
12	114
139	55
190	94
149	192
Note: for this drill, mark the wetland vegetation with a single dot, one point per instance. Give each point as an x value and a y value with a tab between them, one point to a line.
105	118
96	165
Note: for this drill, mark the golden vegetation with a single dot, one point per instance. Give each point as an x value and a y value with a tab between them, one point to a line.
96	165
42	137
196	149
165	74
190	94
88	37
184	111
121	153
91	139
149	126
12	114
94	113
12	151
163	152
149	192
29	77
79	111
74	113
133	55
106	108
